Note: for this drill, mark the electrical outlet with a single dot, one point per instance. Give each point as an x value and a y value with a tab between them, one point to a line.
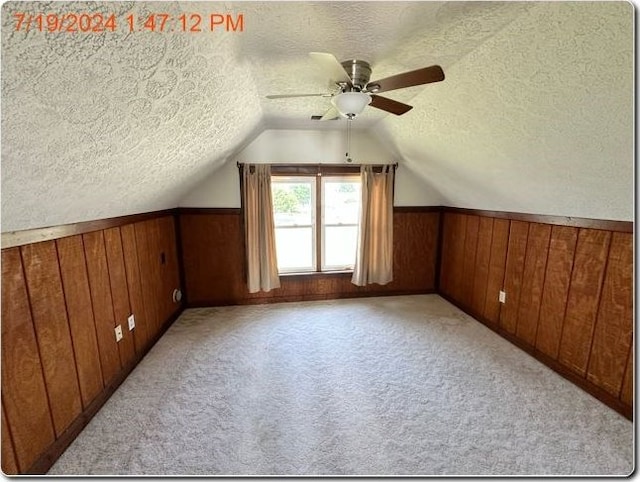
502	298
132	322
177	296
118	332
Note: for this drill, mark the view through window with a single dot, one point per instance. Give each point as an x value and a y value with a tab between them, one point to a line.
316	222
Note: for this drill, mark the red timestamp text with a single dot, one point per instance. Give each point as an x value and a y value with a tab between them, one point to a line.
155	22
65	22
187	22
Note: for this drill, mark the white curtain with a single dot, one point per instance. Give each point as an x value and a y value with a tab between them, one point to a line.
260	238
374	257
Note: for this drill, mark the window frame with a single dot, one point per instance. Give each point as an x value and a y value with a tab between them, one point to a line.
285	178
318	218
323	225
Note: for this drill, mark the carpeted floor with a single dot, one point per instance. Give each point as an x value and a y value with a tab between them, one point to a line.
374	386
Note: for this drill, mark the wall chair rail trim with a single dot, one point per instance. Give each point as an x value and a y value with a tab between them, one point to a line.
12	239
576	222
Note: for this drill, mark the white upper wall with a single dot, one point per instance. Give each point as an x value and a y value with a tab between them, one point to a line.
221	188
282	146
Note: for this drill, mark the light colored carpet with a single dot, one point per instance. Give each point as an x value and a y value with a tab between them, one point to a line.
393	385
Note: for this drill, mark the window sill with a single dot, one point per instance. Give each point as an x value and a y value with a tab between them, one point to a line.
317	273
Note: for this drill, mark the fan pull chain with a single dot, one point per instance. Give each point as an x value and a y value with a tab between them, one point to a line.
349	119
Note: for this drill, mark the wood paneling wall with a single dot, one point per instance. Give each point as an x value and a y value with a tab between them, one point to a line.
569	294
61	300
569	301
213	259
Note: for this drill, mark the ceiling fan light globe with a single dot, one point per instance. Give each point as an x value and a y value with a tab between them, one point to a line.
350	104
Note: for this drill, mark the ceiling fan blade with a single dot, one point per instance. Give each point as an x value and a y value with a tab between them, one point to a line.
287	96
331	114
408	79
332	66
389	105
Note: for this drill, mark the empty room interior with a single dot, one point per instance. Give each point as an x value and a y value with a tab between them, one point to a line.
317	238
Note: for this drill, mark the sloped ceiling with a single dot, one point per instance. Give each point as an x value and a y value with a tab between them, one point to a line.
537	119
535	115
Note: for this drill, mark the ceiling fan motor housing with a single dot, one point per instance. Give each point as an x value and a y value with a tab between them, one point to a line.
359	71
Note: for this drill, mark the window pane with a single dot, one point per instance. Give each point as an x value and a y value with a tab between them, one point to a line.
292	202
294	247
341	200
340	246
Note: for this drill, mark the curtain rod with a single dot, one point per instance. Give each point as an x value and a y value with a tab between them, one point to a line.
342	164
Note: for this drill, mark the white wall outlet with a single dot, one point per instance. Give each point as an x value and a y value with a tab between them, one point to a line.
177	296
502	298
132	322
118	332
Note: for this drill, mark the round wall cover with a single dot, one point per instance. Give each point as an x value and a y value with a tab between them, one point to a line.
177	295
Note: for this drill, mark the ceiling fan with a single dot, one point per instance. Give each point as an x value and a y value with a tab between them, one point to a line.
353	91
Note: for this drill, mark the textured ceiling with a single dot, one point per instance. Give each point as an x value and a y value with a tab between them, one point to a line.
393	37
96	125
537	119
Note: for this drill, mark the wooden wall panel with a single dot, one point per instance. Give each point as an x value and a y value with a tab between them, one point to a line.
24	396
42	274
130	251
584	294
213	259
148	276
535	265
60	302
497	263
514	270
9	462
481	273
415	238
457	255
100	288
626	394
552	274
469	258
446	254
147	242
614	325
119	292
75	283
170	270
562	247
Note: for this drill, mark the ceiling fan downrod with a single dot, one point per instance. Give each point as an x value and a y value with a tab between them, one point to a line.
359	72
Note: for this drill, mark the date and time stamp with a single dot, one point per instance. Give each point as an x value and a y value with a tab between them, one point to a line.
79	22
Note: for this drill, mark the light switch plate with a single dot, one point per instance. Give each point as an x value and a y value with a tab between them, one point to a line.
118	332
132	322
503	297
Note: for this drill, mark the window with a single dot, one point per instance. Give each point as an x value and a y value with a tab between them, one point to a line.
340	211
316	222
294	216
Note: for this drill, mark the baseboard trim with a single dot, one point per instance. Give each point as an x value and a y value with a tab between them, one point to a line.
592	389
57	448
307	297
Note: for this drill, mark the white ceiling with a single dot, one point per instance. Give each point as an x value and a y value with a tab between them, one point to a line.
535	113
